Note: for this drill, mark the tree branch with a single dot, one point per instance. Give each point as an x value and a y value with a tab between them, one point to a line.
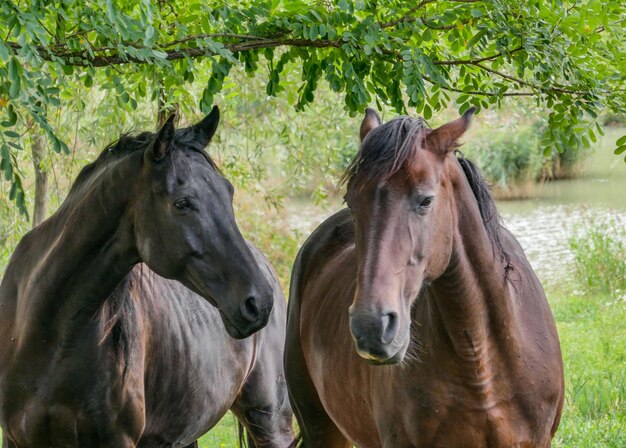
476	92
528	84
406	14
475	61
86	59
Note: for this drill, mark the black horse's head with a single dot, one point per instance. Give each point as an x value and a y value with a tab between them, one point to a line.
185	227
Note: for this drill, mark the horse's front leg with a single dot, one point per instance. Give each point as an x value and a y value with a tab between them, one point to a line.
262	406
263	409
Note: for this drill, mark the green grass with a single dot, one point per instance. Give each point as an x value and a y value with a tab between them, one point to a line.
600	258
222	435
593	340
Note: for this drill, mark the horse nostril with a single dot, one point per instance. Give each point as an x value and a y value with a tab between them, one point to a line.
250	309
389	325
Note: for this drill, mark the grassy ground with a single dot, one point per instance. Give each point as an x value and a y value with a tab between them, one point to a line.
593	339
223	435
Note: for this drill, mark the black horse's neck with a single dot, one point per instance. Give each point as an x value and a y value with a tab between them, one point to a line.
79	255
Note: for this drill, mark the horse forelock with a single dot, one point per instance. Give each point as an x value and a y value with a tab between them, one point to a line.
385	150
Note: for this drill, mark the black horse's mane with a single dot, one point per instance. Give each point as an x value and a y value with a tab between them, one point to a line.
395	143
129	143
118	323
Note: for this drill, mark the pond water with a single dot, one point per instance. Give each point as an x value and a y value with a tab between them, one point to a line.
543	225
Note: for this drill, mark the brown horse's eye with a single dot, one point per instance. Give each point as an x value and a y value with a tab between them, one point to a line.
422	204
182	204
426	202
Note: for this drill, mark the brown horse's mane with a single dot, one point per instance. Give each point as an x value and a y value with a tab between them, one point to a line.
487	207
387	148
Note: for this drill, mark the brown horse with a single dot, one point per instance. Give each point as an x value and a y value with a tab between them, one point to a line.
100	351
455	342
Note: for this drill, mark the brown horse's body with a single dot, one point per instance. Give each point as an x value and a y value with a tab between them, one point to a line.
481	363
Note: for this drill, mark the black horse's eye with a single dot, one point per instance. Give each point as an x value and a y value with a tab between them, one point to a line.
426	202
182	204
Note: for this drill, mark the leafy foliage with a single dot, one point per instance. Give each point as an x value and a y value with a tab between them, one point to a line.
600	258
421	56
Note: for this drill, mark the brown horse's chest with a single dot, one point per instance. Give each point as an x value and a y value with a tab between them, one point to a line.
432	415
438	415
432	404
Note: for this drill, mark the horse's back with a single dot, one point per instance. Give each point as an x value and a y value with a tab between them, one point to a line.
531	298
330	237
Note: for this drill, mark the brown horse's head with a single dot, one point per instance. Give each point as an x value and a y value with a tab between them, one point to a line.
400	200
185	227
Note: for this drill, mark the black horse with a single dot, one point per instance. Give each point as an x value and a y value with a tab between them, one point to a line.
99	350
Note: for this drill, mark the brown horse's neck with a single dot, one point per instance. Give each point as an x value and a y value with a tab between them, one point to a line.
473	296
78	256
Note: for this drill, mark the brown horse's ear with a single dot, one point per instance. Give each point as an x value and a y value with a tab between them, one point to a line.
205	129
163	140
444	138
371	121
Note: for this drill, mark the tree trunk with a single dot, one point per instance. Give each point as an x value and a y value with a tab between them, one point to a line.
41	181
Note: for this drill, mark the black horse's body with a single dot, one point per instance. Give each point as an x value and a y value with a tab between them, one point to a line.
159	351
99	351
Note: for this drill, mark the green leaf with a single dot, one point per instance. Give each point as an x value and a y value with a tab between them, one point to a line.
620	149
159	54
4	52
428	112
14	78
621	141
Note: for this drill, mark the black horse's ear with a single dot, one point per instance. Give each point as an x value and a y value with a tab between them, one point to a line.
444	139
205	129
163	140
371	121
